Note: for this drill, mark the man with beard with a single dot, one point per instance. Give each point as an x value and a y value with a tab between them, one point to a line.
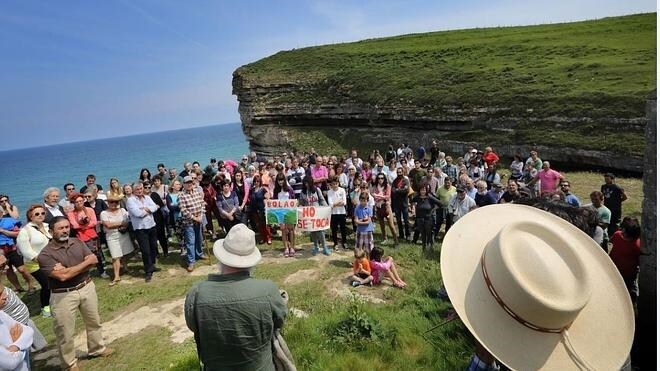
66	261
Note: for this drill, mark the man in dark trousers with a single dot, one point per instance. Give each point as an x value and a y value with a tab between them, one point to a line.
614	197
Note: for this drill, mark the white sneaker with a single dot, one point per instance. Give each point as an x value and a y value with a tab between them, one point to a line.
105	276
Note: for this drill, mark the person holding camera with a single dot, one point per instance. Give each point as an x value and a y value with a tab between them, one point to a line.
83	222
115	221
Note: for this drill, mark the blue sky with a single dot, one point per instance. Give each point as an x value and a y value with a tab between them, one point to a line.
78	70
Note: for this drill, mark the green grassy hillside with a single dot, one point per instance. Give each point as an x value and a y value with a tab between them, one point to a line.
599	69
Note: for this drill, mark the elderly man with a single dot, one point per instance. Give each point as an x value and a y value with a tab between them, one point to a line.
141	210
53	209
460	204
233	315
171	177
66	261
191	204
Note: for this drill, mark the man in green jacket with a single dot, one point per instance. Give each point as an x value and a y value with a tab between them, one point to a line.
233	315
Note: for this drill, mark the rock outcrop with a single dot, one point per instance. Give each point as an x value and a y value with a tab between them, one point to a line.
272	126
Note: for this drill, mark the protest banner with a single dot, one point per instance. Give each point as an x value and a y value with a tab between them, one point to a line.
281	211
314	218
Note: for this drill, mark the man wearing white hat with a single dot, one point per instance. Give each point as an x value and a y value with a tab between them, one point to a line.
233	315
536	292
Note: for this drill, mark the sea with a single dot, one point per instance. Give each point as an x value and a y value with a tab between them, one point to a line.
26	173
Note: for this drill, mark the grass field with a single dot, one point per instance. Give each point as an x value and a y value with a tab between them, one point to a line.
391	323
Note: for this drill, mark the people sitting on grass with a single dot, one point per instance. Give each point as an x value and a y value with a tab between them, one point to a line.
361	269
384	267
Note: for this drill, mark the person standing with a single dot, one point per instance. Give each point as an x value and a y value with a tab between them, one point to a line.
548	178
191	205
15	341
51	198
400	191
115	221
460	204
141	209
604	215
32	238
83	222
66	261
312	196
337	200
614	196
233	316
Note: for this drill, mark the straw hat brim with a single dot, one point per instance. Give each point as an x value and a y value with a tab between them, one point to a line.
233	260
601	334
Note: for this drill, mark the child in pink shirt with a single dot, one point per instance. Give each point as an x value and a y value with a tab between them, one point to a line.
384	267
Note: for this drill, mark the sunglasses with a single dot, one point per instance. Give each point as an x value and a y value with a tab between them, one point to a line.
39	214
70	189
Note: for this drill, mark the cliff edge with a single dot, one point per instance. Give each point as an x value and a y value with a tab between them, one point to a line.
575	91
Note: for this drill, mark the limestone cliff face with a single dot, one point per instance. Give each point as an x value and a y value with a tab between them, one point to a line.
272	126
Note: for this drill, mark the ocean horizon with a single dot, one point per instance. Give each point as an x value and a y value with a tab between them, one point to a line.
27	172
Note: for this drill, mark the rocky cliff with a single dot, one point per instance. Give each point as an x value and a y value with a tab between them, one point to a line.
272	127
576	92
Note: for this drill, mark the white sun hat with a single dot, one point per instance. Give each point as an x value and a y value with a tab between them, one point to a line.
535	291
238	249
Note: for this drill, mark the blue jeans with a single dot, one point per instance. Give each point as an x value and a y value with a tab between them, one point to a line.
192	235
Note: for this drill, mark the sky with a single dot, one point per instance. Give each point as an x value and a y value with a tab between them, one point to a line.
79	70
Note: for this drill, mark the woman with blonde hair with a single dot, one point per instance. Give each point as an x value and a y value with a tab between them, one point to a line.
115	190
32	238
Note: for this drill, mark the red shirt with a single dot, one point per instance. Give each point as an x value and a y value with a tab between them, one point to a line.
491	158
625	254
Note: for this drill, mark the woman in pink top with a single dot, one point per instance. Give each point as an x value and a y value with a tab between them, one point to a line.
83	221
381	192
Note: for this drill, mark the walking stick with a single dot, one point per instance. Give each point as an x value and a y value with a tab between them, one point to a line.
206	246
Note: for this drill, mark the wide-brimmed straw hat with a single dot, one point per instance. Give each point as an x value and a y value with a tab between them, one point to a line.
238	248
535	291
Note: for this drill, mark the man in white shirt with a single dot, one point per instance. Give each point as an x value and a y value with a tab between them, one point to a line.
141	210
51	198
337	200
460	204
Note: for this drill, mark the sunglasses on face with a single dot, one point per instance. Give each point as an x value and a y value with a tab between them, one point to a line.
70	189
39	213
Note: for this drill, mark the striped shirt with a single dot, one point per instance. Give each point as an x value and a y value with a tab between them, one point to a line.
15	308
192	205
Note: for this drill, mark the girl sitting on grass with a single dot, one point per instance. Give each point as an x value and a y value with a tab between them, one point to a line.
384	267
361	269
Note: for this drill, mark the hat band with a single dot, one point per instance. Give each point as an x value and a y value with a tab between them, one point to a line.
506	308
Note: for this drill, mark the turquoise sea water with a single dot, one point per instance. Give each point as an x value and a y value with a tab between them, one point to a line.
26	173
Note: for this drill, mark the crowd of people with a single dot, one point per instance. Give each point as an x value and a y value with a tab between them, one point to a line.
403	190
